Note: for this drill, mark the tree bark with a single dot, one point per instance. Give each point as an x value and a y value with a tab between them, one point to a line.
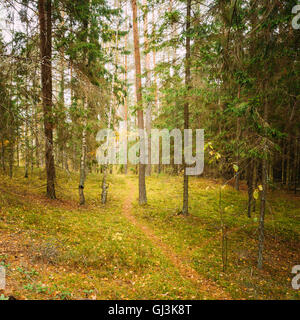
156	100
261	229
148	83
83	157
288	158
283	164
185	209
45	22
238	136
11	147
139	98
82	172
113	104
126	98
295	169
254	182
250	187
3	155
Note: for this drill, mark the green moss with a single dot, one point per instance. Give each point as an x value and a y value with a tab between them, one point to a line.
94	251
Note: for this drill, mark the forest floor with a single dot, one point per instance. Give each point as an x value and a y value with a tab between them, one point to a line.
59	250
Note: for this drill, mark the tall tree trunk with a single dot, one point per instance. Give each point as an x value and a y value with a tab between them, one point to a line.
261	230
61	126
295	169
35	116
250	187
283	164
3	155
32	144
288	161
83	156
37	141
237	176
74	143
185	209
105	167
126	79
12	137
45	21
254	183
26	142
82	172
238	136
18	146
148	83
156	100
139	98
113	104
11	148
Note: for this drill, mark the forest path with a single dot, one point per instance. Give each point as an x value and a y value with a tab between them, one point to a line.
181	262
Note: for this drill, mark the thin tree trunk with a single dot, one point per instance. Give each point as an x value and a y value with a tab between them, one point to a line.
237	176
12	137
126	98
156	100
261	230
36	131
288	156
82	172
105	167
18	147
3	155
45	21
61	126
32	145
156	96
148	83
254	183
295	163
238	135
283	165
11	151
110	114
262	215
185	210
250	187
298	163
26	143
139	98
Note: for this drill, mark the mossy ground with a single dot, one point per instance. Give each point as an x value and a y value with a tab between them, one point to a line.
59	250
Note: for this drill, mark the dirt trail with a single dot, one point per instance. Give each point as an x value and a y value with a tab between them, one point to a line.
179	261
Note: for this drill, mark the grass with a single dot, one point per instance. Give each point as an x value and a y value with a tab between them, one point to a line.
59	250
199	236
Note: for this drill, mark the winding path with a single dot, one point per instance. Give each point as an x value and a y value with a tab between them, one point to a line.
179	261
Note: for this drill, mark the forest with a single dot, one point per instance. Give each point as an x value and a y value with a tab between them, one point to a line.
149	150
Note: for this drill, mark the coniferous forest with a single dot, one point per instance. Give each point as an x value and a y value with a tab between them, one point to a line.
149	150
